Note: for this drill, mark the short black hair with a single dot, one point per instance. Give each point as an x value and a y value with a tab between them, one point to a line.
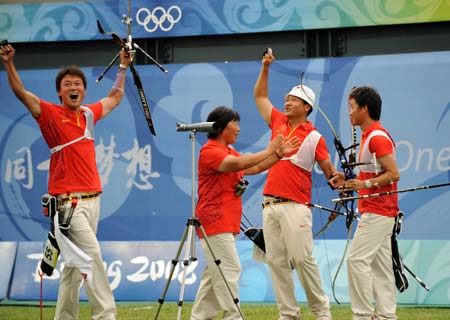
367	96
71	70
222	116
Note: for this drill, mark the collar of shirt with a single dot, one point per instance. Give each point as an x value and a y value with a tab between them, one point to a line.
374	126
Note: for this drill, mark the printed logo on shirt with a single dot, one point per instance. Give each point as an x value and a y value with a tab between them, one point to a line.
65	120
302	225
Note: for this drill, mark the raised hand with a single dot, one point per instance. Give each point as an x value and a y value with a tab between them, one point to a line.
7	52
268	57
275	144
126	57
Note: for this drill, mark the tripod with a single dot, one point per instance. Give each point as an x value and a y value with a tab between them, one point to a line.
189	254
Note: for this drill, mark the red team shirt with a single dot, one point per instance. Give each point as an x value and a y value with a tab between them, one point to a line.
72	169
218	208
384	205
284	178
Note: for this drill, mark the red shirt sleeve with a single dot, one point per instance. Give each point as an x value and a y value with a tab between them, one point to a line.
322	150
212	156
45	110
381	146
97	110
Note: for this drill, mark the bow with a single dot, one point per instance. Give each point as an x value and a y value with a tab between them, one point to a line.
349	205
347	164
131	47
347	167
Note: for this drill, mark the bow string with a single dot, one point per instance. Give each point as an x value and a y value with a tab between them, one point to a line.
347	164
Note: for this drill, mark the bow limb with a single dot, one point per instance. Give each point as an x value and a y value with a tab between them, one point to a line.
332	216
129	48
348	171
324	115
341	262
349	205
143	98
331	219
348	174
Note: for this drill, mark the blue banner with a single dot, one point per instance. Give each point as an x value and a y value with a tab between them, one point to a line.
68	21
147	180
139	271
136	271
8	250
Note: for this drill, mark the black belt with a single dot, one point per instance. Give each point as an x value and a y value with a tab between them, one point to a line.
78	195
275	200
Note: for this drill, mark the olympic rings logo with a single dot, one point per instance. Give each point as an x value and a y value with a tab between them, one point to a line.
158	17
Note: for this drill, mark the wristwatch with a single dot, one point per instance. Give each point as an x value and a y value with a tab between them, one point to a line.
368	184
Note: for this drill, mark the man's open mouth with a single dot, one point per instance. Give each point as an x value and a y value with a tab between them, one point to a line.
73	96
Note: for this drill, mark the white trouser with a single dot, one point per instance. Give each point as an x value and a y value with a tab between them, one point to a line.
213	295
288	235
369	268
82	232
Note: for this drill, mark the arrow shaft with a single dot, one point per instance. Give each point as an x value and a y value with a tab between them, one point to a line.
380	194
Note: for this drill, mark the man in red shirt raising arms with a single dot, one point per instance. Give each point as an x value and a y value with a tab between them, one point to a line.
287	221
68	130
369	263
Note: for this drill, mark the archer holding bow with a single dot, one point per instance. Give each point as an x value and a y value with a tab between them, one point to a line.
68	129
369	264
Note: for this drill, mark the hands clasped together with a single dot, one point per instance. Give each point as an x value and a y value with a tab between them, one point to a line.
282	146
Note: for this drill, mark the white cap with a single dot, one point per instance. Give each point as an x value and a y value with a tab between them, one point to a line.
305	93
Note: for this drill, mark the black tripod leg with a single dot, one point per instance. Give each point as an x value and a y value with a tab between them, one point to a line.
217	262
172	270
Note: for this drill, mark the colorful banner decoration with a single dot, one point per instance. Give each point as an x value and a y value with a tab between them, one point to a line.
139	271
68	21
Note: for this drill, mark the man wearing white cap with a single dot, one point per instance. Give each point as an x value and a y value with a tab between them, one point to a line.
287	221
